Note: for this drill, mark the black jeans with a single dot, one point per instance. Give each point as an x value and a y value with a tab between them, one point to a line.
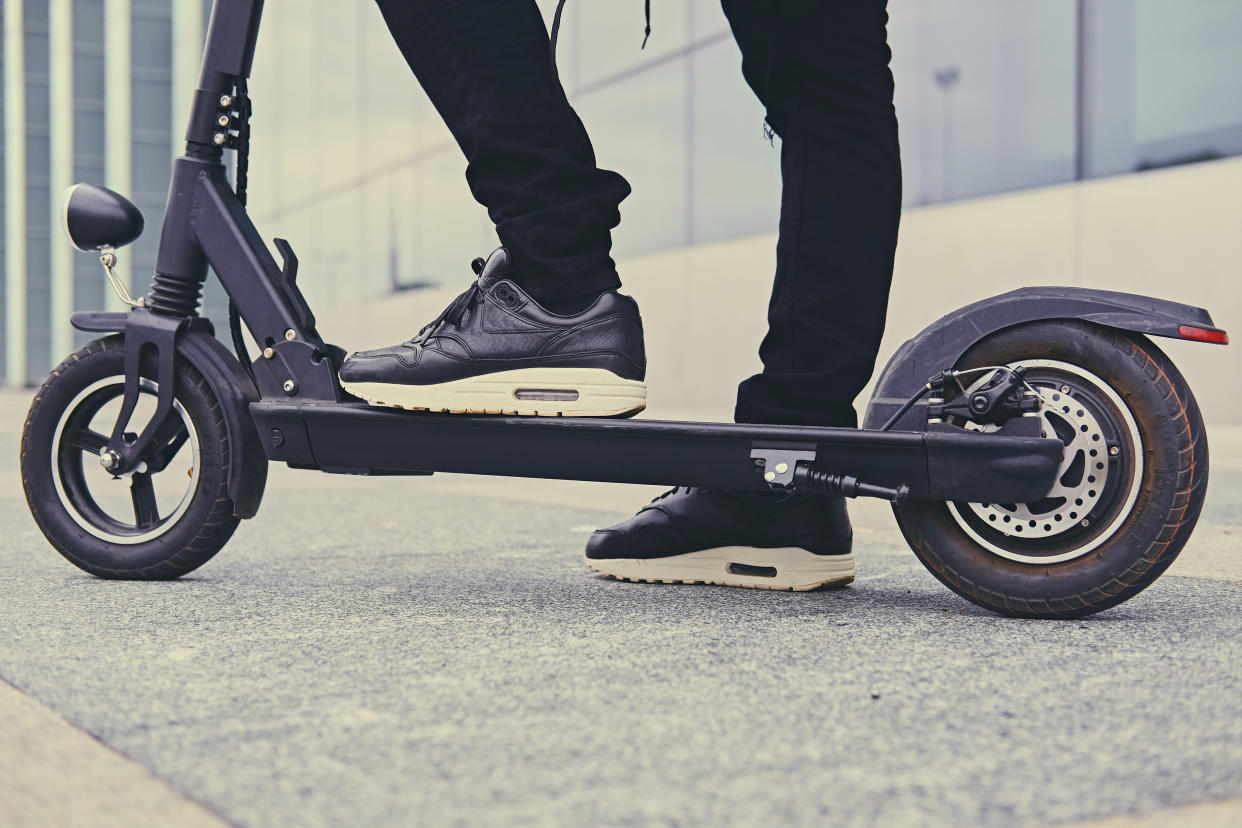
820	67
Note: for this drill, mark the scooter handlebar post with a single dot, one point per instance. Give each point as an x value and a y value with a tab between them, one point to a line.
228	56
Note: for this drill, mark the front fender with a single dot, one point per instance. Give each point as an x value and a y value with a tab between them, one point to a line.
940	345
234	391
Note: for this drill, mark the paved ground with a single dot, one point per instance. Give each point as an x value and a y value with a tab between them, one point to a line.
432	651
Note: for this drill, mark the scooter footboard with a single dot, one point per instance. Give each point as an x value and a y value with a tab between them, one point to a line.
950	464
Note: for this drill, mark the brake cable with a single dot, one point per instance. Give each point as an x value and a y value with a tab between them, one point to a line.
242	145
940	380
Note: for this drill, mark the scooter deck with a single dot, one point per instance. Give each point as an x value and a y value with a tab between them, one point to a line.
947	464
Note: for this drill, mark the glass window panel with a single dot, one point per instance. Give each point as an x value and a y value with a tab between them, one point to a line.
38	156
36	37
1187	80
88	130
736	182
609	36
707	19
38	198
38	103
152	42
151	169
391	101
639	129
985	95
152	106
449	225
88	21
88	77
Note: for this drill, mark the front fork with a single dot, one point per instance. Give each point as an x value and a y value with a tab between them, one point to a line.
206	225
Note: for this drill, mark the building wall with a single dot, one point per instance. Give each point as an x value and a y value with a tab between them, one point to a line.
119	69
89	289
38	196
1043	143
992	97
352	164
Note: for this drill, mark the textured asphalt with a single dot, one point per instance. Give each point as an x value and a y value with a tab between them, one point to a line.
395	652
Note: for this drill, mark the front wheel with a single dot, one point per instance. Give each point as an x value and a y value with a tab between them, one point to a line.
1128	492
158	522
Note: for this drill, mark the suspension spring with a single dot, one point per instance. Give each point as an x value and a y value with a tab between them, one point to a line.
174	297
844	484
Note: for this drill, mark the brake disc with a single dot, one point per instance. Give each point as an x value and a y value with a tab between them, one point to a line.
1080	479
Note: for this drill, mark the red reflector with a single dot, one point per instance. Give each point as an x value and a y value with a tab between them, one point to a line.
1203	335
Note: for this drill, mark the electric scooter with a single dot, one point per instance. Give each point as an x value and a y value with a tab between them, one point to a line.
1044	458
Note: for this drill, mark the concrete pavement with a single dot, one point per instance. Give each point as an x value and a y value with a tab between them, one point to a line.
432	651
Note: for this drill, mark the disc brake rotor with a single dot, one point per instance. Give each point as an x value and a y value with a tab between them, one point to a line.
1080	478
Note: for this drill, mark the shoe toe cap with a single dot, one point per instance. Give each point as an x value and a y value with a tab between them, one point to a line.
371	366
639	537
608	543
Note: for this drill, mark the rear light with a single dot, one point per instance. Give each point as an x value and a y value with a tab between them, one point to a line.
1203	335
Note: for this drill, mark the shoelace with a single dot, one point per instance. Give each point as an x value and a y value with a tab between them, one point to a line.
456	309
669	493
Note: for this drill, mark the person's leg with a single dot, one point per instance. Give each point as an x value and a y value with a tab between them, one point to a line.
821	70
542	331
487	68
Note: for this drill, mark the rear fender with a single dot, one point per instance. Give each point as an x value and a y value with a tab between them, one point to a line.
940	345
234	391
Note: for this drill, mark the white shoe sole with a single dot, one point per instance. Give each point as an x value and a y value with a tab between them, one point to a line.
789	568
542	392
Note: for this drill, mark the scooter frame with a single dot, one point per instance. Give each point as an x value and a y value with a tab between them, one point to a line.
289	406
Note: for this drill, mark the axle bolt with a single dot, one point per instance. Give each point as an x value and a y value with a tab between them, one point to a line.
268	353
1065	389
109	459
226	101
290	386
290	335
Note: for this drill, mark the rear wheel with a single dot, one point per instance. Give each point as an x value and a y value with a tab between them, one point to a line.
161	521
1127	495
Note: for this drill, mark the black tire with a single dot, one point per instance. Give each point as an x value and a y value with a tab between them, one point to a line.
55	477
1128	539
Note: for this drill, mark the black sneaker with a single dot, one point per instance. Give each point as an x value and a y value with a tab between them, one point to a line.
762	540
495	351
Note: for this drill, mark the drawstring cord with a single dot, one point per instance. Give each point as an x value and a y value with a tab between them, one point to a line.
556	30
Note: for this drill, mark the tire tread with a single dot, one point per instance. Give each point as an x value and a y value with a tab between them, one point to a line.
212	532
1168	542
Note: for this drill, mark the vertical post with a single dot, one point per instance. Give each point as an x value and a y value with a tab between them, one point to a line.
15	192
118	117
187	60
60	50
